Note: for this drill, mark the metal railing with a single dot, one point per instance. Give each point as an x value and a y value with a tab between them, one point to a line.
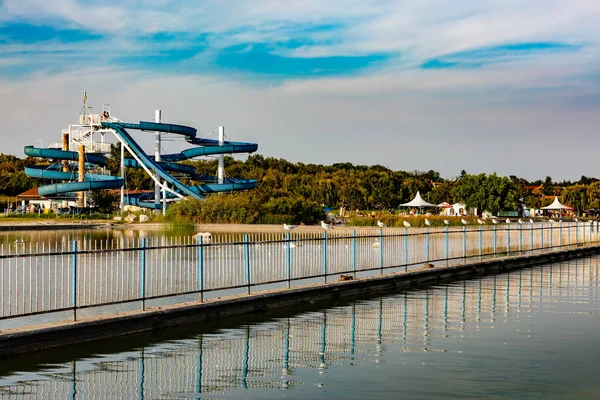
104	277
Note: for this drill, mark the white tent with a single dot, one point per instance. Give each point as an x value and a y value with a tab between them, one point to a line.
556	205
417	202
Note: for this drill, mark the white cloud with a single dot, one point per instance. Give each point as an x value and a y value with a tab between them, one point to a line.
529	116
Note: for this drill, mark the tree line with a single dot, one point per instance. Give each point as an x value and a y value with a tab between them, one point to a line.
298	192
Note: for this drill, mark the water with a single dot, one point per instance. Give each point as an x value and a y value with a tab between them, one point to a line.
529	334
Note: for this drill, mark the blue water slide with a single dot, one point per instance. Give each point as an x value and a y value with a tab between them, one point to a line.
169	164
212	148
54	172
147	161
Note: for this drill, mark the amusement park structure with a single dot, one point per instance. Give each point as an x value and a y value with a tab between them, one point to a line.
84	150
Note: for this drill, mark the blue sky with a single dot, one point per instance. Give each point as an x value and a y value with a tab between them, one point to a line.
487	85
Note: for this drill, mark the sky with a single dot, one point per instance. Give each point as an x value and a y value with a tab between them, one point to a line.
502	86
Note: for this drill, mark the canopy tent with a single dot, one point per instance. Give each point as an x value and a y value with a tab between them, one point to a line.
556	205
417	202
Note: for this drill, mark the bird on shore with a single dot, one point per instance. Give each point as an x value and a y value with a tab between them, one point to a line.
464	221
446	222
494	221
480	221
427	222
326	226
575	219
381	224
550	220
508	220
406	224
530	221
520	221
289	227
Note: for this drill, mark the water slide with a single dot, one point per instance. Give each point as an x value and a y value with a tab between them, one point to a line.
162	169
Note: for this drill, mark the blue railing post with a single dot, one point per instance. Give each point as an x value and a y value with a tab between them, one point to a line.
381	251
74	280
464	242
354	253
201	267
405	249
495	242
583	232
507	240
427	245
542	236
576	233
480	241
288	263
143	274
569	234
520	238
325	255
531	237
447	246
247	255
560	235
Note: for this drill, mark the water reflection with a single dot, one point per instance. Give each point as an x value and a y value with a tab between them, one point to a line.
329	352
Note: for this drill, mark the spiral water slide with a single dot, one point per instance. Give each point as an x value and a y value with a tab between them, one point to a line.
205	147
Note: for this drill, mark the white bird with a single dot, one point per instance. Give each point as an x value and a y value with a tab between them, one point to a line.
446	222
494	221
550	220
530	221
480	222
508	220
520	221
575	219
326	226
381	224
427	222
406	224
206	236
289	227
464	221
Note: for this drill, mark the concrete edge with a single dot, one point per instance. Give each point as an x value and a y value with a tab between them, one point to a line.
39	338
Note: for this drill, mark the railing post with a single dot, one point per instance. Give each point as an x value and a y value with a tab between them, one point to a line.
542	236
520	238
583	224
464	242
74	280
569	234
405	249
381	251
447	246
325	255
531	237
143	275
288	264
551	229
201	267
576	234
495	242
560	235
480	241
247	256
508	240
427	245
354	253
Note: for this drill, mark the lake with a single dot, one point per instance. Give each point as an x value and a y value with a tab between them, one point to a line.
529	334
